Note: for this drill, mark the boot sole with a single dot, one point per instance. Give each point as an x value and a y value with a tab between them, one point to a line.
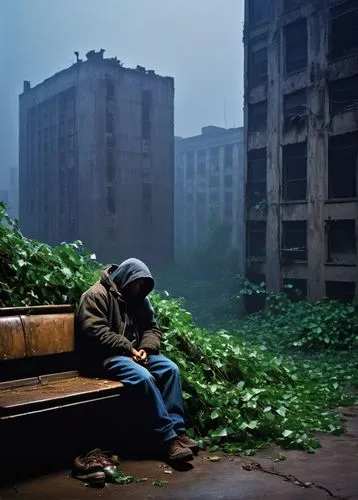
94	478
182	456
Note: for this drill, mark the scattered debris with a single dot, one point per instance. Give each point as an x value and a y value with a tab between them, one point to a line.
159	482
214	459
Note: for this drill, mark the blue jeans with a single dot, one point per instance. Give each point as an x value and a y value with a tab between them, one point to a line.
156	387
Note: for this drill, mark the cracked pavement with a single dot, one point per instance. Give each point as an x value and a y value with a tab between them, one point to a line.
329	473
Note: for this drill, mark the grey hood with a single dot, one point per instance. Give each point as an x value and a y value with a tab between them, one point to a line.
129	271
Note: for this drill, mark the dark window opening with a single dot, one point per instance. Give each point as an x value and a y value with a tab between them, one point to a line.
146	196
214	159
255	302
190	197
259	11
295	109
111	199
228	155
343	291
342	166
228	204
109	122
256	176
295	289
213	197
256	239
190	171
294	171
201	169
258	67
201	198
71	142
110	157
343	35
296	45
294	241
228	181
146	112
111	172
110	90
341	242
257	116
214	181
343	95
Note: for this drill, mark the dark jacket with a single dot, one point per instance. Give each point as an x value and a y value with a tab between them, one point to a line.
107	325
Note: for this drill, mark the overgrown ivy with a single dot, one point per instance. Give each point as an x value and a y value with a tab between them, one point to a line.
238	395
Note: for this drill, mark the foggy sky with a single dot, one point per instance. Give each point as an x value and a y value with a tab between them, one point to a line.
198	42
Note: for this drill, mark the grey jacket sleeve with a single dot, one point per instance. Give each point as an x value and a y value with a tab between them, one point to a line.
92	322
151	336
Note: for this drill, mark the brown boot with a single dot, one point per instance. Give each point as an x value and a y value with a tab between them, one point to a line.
188	442
89	470
177	451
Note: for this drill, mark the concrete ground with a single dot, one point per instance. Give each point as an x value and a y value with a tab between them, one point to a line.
329	473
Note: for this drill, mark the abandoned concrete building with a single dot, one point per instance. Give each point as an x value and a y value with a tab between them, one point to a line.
301	142
97	159
209	187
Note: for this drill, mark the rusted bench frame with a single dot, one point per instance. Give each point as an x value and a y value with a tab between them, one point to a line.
25	333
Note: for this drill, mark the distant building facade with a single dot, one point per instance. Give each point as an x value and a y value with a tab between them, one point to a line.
97	159
301	142
209	187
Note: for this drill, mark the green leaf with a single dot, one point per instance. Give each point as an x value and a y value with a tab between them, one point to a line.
287	433
214	415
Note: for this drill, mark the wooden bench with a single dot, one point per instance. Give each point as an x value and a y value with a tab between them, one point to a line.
39	366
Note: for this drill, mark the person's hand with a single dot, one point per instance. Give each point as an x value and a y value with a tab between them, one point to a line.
135	355
139	356
143	355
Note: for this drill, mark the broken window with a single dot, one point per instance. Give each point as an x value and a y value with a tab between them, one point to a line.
295	289
111	199
341	290
343	33
256	239
146	112
294	241
259	11
258	65
257	116
296	45
343	95
228	153
256	176
341	242
342	165
295	109
294	171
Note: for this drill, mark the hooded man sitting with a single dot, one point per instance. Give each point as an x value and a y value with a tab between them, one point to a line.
117	330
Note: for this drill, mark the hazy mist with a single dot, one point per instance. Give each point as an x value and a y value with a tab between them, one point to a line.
198	42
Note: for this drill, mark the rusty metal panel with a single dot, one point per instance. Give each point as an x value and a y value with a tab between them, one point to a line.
12	339
49	334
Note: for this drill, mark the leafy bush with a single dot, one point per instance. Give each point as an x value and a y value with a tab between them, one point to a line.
238	396
33	273
305	325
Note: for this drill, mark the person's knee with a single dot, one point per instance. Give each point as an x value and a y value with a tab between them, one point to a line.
144	377
172	368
